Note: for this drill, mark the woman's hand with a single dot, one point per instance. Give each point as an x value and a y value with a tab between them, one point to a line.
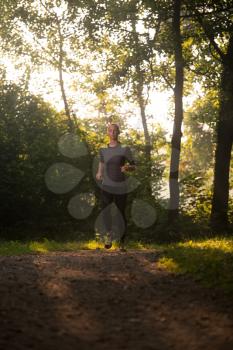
99	176
100	171
127	167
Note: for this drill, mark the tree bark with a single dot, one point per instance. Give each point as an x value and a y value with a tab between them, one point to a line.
143	117
147	139
173	209
219	212
61	80
142	106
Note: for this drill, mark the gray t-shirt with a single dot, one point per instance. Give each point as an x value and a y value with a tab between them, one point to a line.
114	158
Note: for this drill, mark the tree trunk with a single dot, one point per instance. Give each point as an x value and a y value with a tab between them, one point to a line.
142	106
173	209
147	139
219	216
144	123
61	80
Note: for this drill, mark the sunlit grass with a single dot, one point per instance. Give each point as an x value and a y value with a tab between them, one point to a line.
210	261
46	245
53	246
37	247
169	264
223	244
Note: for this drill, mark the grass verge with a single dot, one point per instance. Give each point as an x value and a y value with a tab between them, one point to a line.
210	261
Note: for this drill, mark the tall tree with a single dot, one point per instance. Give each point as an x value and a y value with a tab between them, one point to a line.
215	19
213	30
219	213
171	70
139	87
178	118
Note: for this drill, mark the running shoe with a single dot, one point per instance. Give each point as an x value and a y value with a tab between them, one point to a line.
122	247
108	241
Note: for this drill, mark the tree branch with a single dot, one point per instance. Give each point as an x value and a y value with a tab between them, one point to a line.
210	36
168	82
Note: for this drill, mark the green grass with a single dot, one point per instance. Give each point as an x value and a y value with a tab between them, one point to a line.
8	248
208	260
43	246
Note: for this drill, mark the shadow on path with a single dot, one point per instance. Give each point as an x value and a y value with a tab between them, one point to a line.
107	300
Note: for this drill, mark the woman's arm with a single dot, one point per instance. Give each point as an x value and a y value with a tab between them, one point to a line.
100	172
131	166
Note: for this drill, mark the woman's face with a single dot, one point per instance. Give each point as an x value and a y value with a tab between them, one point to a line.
113	132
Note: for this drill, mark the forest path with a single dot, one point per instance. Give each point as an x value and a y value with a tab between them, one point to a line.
107	300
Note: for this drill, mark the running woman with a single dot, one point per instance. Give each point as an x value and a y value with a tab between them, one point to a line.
115	160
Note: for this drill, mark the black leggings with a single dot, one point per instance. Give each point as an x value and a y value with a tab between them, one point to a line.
120	200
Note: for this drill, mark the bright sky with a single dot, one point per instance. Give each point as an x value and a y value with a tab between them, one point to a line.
46	84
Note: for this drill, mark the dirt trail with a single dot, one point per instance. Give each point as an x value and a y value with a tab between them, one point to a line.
107	300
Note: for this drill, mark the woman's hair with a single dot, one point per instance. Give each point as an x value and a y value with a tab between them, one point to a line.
115	124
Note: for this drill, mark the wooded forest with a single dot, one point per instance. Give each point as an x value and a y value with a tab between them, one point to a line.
68	68
74	76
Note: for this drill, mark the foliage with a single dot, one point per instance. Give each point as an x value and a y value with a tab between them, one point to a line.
29	131
197	158
104	45
195	198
